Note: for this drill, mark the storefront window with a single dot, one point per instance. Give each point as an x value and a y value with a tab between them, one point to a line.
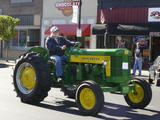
14	41
123	42
100	41
33	38
155	49
24	39
21	1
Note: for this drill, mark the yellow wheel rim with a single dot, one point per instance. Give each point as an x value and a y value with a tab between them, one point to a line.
138	96
28	78
87	98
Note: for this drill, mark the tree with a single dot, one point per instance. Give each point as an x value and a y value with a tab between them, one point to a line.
7	29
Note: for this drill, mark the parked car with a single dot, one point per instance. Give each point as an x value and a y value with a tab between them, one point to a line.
154	72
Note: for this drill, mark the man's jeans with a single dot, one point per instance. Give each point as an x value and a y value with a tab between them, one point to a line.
58	60
137	62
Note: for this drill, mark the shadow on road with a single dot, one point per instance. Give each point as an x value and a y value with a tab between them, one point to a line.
128	113
111	109
62	106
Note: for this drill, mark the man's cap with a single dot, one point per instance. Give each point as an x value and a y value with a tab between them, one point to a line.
54	29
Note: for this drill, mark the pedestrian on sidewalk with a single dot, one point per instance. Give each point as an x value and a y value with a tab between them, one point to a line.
138	59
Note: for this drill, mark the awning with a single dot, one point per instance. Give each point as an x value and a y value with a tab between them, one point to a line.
127	29
71	29
99	29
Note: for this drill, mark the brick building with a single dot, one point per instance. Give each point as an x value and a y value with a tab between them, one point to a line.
29	28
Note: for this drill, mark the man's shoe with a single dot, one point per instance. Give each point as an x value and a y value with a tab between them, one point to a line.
132	74
59	80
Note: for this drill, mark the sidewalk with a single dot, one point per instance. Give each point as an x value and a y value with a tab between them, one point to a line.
145	73
9	62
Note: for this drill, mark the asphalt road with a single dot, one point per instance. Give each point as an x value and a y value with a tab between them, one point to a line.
58	107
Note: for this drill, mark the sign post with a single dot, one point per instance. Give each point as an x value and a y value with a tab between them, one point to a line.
79	33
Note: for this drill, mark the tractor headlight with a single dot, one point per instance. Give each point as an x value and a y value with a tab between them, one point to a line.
104	63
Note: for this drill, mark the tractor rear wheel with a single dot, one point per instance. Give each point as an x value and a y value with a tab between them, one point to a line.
141	96
31	78
89	98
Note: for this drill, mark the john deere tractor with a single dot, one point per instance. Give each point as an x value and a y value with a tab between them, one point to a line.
87	74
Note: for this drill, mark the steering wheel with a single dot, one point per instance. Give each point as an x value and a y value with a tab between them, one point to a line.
75	47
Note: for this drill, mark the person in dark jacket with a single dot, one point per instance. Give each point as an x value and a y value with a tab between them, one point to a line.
56	46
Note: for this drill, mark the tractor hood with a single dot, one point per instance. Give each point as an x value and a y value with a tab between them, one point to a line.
101	52
96	56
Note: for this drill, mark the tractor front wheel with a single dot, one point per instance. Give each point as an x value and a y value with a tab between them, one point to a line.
140	96
89	98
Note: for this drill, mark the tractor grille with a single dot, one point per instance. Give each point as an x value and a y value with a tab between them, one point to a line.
116	66
129	64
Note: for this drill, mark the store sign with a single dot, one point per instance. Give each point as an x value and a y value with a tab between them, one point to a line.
66	6
154	15
142	40
154	34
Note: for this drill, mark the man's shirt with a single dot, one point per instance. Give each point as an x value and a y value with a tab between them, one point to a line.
54	45
139	52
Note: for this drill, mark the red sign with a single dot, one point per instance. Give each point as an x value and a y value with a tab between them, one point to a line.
66	4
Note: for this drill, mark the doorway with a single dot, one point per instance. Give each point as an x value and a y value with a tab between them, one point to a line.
155	50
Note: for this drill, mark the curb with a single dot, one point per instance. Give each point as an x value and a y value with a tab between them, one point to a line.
9	62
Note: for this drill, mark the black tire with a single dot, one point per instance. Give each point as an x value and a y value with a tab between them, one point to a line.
150	80
157	82
144	94
70	92
42	84
98	103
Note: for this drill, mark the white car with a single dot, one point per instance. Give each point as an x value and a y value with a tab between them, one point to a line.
154	72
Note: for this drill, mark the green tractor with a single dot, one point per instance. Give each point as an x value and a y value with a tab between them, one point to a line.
87	74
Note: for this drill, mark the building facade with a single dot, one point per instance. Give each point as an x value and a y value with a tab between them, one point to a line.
29	28
60	13
126	20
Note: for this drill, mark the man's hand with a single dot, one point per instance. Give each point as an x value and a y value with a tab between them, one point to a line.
63	47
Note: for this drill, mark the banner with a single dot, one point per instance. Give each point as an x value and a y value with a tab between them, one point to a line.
75	14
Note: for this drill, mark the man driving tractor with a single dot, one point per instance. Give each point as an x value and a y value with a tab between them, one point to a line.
56	46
